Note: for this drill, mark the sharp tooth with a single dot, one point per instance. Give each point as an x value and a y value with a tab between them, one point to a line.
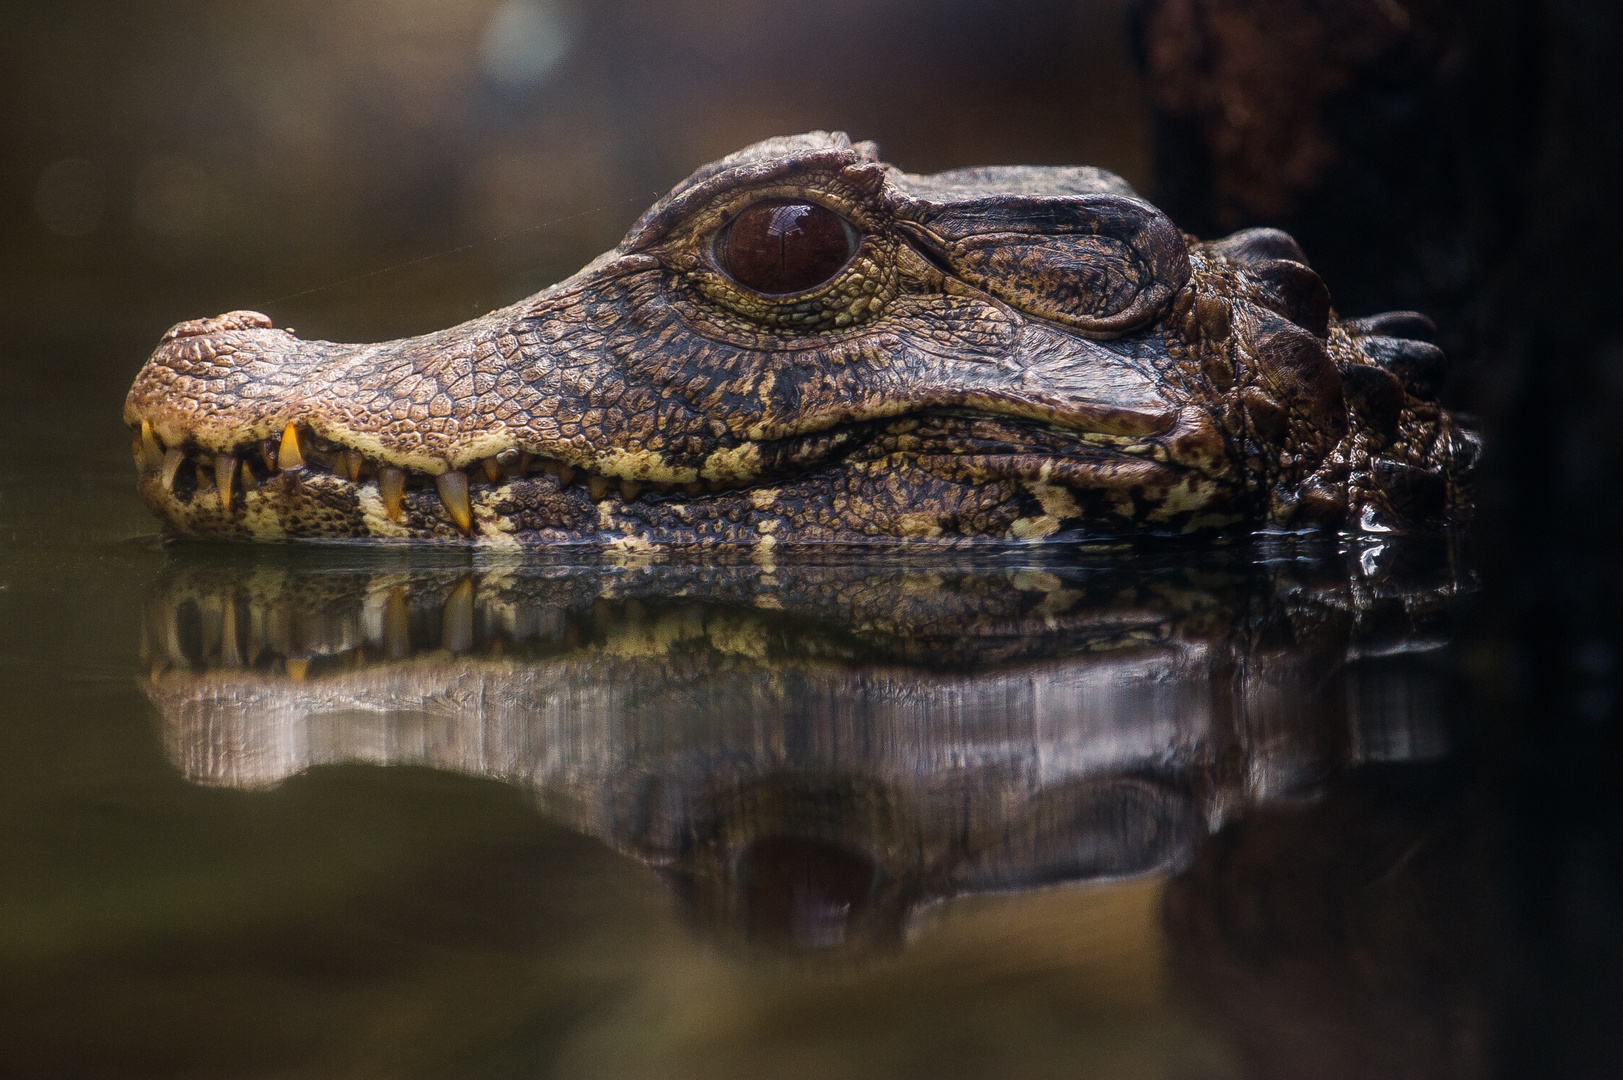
151	447
205	478
392	487
493	470
453	489
267	450
353	460
524	459
225	474
630	489
597	487
298	668
249	480
287	455
172	461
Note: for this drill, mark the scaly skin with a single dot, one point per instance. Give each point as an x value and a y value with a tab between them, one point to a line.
1010	354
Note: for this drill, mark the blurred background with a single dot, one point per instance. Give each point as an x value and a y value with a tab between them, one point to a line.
223	155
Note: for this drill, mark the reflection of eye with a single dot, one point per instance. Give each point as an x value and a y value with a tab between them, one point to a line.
785	247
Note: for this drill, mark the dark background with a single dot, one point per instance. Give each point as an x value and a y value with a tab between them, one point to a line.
364	168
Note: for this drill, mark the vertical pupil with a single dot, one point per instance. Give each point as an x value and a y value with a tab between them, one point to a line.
785	247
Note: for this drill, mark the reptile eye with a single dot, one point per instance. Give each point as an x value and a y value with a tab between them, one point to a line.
785	247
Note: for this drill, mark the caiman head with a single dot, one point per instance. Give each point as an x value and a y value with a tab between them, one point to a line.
803	344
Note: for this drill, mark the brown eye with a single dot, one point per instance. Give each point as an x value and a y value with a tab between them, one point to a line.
785	247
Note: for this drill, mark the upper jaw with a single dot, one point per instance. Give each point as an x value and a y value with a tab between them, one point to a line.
224	393
220	384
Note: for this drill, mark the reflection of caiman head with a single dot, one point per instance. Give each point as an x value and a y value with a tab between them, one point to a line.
810	752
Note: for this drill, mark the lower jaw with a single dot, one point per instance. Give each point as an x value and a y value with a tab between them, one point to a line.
892	503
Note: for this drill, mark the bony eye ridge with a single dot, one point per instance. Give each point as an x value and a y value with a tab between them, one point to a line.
785	246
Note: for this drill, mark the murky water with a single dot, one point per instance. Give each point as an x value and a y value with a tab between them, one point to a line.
1164	809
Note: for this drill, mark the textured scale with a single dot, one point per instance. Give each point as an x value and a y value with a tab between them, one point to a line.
801	344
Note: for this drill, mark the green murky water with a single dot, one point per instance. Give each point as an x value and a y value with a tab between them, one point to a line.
1169	810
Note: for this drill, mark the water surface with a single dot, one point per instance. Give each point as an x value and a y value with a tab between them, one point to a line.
1160	809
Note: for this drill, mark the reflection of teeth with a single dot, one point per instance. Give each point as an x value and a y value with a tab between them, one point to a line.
456	625
194	631
397	625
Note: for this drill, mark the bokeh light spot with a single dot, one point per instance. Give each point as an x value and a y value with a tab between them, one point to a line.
525	40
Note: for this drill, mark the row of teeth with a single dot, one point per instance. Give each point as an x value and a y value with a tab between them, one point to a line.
226	473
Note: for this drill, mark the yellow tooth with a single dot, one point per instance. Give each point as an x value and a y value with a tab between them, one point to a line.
493	470
172	461
524	459
151	447
298	668
597	488
267	451
353	460
630	489
453	489
287	455
392	487
225	474
249	480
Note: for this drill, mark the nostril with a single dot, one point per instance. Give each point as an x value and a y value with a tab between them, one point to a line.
231	320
